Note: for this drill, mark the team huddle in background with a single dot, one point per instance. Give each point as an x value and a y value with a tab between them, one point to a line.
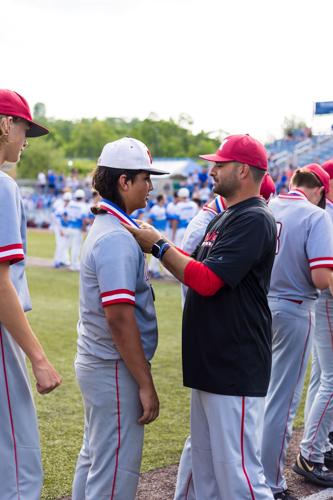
257	279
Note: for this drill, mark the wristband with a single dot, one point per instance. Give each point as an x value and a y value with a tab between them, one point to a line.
156	248
164	248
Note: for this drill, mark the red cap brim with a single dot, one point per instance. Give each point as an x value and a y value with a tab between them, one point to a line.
215	157
36	130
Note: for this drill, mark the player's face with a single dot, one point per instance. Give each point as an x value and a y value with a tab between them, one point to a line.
139	190
16	139
226	178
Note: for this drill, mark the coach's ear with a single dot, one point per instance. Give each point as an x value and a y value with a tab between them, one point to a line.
244	170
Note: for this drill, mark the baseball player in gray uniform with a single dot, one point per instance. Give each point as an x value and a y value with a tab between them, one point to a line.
194	233
117	330
21	474
319	402
303	263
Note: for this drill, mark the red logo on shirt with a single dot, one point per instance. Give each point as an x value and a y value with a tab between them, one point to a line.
210	239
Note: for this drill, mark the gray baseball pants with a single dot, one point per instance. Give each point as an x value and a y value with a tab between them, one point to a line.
293	326
319	403
109	462
226	436
21	475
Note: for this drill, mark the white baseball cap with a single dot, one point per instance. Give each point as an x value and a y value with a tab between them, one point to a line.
128	154
79	193
183	193
67	196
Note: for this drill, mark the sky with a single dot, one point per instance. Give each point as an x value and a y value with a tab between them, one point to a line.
236	66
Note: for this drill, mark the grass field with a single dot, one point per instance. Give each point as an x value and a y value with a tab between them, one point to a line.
54	316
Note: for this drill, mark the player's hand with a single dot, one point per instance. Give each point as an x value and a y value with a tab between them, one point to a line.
150	405
47	378
145	236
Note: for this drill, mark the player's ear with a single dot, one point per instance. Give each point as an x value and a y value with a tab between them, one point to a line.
123	182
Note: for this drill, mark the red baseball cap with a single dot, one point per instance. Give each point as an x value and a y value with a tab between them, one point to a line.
241	148
267	188
13	104
320	173
328	167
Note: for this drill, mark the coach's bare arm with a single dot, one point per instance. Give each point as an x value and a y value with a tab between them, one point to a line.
13	318
126	336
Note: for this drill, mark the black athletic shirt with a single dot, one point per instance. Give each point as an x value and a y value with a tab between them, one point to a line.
227	337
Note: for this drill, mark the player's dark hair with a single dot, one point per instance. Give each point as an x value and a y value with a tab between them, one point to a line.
159	197
105	182
309	180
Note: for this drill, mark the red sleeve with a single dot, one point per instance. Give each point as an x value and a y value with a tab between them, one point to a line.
202	279
183	252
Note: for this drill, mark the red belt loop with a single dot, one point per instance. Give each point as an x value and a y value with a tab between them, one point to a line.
295	301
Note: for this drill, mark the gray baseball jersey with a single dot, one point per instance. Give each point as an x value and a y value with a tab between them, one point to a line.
113	271
307	244
20	466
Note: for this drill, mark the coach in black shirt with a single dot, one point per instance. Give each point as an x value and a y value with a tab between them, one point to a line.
227	325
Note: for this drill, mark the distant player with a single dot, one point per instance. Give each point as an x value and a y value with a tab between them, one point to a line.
75	217
21	473
171	210
185	210
303	263
59	224
157	217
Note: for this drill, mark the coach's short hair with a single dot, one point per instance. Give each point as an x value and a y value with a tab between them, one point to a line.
257	173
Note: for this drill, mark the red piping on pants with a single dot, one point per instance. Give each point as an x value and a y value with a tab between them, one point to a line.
291	400
118	447
320	420
242	450
10	414
188	486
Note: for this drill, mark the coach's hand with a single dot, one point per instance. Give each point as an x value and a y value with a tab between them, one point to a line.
150	404
47	378
146	236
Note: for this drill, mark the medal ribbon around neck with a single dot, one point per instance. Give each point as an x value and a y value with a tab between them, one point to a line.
113	209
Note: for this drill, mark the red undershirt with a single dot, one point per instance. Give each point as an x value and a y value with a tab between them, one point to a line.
200	278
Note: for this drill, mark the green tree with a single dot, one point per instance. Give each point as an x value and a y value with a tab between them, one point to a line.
42	154
291	123
39	110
